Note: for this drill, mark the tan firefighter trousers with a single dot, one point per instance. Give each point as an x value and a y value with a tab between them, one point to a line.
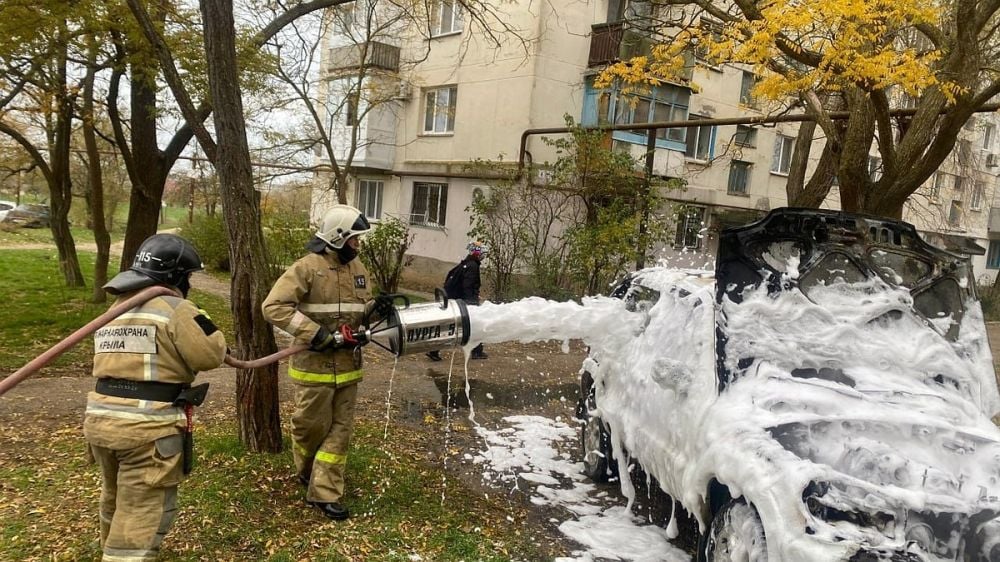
322	425
138	497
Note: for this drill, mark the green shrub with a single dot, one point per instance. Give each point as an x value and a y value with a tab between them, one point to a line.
285	234
383	252
208	235
989	297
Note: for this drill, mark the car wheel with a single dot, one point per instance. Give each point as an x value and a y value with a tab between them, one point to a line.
595	439
736	535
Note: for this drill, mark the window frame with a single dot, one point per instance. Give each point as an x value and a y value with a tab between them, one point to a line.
936	185
362	197
605	106
976	197
440	204
696	139
781	155
456	24
733	165
993	255
955	213
432	107
874	168
747	82
686	228
751	137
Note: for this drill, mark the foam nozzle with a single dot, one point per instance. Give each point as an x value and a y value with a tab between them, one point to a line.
423	327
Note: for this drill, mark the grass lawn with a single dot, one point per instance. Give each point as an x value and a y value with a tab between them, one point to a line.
40	311
243	506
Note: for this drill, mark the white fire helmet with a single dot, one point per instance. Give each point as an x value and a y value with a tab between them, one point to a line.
340	223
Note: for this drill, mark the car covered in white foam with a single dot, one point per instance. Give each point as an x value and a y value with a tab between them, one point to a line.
825	394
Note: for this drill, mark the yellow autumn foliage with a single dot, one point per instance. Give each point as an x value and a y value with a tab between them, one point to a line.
800	45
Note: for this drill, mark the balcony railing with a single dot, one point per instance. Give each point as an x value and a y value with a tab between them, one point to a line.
376	55
614	42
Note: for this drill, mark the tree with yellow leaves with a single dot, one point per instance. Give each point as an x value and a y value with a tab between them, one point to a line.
866	57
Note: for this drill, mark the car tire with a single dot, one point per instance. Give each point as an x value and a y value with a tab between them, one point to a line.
736	534
595	439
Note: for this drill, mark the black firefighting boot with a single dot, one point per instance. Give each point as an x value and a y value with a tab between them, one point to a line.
333	510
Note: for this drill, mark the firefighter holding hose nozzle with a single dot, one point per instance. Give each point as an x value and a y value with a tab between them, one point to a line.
138	419
322	300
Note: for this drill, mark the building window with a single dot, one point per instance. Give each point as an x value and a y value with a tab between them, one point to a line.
745	136
935	193
989	131
699	141
959	185
439	111
351	109
782	158
874	168
955	214
976	199
747	83
645	110
690	223
430	201
369	198
739	177
665	102
446	17
993	255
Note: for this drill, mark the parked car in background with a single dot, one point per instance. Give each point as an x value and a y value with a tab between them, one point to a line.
4	207
825	394
28	216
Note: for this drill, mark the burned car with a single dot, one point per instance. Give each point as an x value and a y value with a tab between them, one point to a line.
825	394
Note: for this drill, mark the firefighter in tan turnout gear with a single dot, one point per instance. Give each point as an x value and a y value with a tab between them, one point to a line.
138	419
321	300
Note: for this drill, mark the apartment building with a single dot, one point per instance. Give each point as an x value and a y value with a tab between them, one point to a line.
455	97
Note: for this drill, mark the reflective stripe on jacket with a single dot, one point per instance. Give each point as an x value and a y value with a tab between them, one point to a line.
160	340
318	290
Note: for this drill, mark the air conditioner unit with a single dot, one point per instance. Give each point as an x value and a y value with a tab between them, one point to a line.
403	91
991	160
542	176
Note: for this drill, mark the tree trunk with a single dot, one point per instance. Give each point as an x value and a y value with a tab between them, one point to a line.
256	390
147	172
96	183
60	184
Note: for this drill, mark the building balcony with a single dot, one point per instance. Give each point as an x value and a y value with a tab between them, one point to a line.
614	42
371	54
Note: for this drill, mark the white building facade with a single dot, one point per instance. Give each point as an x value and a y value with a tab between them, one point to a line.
459	98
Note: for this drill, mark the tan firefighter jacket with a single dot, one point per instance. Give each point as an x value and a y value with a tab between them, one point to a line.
319	290
160	340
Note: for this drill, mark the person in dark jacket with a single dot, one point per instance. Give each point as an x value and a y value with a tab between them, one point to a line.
463	282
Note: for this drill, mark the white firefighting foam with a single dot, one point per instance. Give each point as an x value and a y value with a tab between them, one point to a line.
668	414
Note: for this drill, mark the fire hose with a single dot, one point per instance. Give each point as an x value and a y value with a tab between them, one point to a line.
139	298
408	330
